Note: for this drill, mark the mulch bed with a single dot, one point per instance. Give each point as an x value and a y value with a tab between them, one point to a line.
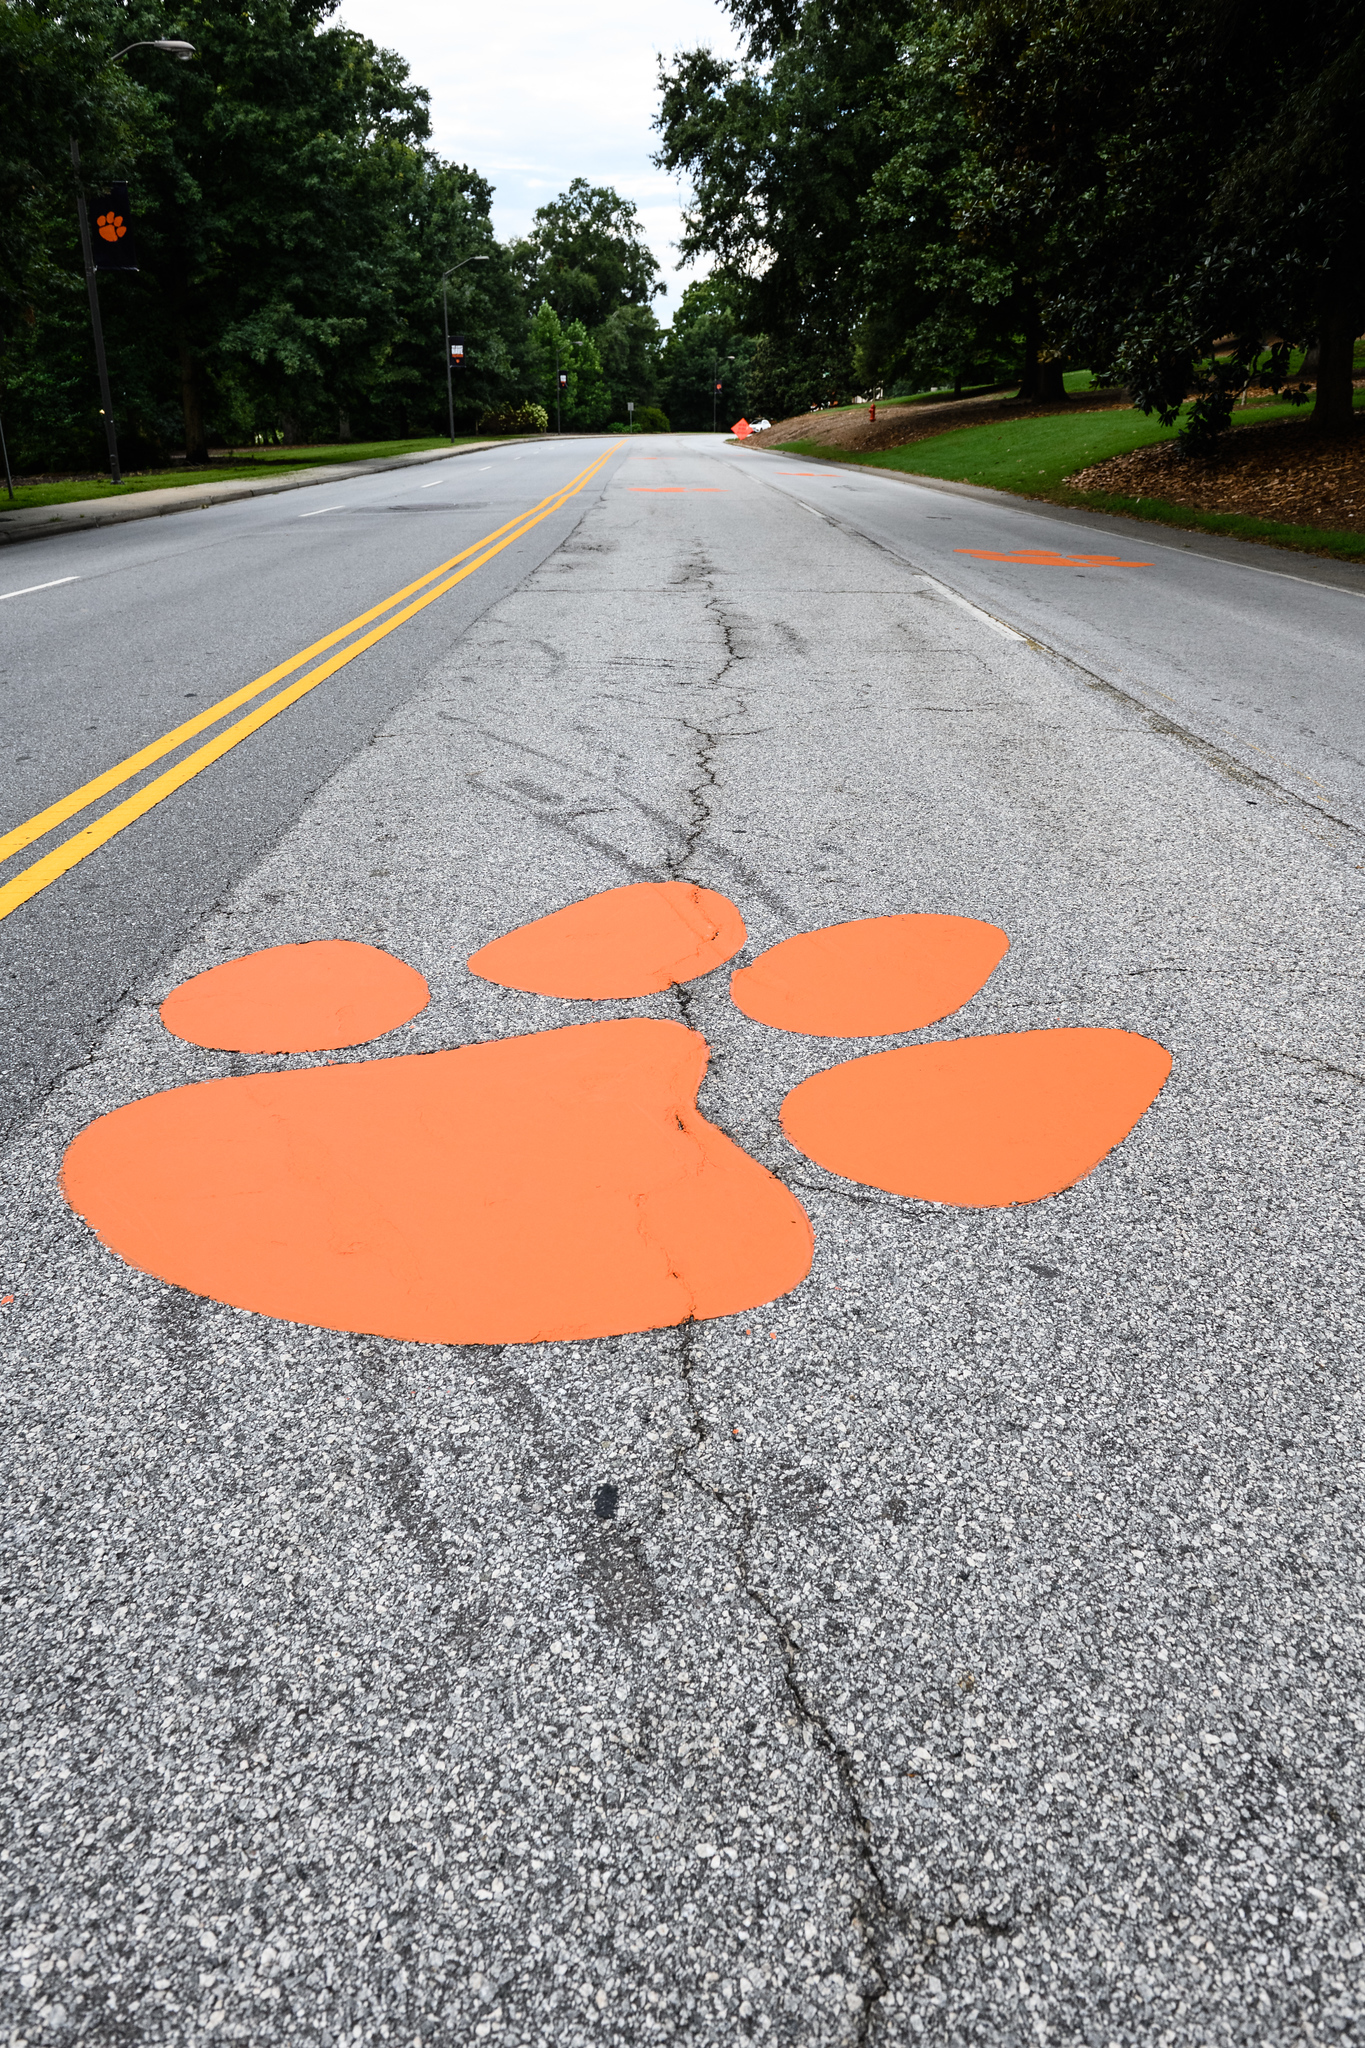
1280	471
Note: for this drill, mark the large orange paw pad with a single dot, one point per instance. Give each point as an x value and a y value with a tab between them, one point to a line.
563	1185
979	1121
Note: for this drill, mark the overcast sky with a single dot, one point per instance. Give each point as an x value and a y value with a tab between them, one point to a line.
533	95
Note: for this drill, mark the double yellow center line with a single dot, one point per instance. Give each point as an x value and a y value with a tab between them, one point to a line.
408	602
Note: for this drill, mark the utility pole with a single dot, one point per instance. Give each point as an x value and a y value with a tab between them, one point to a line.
92	286
559	386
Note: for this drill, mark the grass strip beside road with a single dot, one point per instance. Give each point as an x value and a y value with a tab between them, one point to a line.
37	877
1032	458
237	467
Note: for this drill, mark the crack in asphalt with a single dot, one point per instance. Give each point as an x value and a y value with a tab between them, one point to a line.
874	1911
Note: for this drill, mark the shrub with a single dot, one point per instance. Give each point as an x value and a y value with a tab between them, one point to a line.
514	419
648	420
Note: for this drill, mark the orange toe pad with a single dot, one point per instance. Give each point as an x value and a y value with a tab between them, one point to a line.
316	997
978	1121
633	941
872	975
562	1185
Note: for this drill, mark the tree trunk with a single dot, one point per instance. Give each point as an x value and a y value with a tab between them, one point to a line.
1028	375
196	440
1050	384
1332	407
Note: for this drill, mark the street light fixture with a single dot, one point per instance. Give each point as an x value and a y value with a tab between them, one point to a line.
445	318
170	47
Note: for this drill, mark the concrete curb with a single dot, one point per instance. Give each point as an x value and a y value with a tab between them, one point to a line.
1152	533
34	522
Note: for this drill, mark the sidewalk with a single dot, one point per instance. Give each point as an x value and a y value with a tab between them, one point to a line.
35	521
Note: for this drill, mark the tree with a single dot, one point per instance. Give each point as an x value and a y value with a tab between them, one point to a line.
1175	175
291	226
272	205
564	347
779	159
629	343
447	220
586	256
56	83
828	170
933	301
706	341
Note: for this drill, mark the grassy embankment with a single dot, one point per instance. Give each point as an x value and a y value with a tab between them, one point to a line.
239	463
943	394
1034	457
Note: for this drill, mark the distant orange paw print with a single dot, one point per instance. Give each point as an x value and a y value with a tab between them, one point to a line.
111	227
565	1184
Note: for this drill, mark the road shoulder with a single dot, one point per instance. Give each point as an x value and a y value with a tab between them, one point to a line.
35	522
1246	554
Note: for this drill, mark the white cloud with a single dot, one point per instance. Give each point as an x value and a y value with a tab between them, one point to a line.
533	95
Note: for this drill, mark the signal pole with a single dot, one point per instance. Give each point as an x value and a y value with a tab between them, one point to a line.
445	321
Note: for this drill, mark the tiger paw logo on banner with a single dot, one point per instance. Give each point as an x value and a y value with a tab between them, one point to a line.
565	1184
113	241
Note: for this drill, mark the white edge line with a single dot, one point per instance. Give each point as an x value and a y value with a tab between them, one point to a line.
29	589
423	487
320	509
996	625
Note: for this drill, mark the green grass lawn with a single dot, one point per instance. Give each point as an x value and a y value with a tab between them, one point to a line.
240	463
1034	457
942	394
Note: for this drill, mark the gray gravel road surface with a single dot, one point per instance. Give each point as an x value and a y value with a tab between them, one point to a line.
966	1648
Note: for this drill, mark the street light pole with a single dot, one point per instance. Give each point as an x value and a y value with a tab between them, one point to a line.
450	379
445	322
715	383
170	47
92	287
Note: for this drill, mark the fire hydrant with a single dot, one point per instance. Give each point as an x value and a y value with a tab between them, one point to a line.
872	411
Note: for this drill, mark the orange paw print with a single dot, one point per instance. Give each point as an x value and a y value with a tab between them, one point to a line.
565	1184
111	227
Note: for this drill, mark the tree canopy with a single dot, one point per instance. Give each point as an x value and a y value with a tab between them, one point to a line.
292	226
916	189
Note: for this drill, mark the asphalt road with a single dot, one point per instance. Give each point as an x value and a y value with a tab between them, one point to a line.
963	1649
162	618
